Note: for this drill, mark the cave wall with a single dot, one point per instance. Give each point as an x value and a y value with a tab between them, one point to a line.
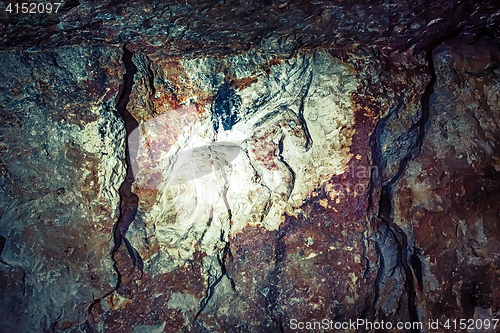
62	152
235	175
447	198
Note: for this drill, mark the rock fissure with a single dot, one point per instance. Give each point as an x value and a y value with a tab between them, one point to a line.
385	207
210	292
2	244
302	95
390	214
380	273
221	259
416	265
402	243
272	305
128	200
292	173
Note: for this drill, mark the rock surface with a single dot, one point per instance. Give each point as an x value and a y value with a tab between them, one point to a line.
191	167
279	27
447	200
61	167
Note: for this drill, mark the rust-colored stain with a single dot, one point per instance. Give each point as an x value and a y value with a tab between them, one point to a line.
147	197
274	62
264	149
149	297
166	102
179	85
267	67
245	82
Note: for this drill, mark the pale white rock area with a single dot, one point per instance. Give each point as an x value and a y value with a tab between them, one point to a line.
293	133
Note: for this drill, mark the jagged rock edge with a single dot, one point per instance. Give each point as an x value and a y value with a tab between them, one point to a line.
119	229
385	204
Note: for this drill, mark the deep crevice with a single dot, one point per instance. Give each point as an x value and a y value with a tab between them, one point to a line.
402	261
2	243
211	287
289	168
380	273
416	265
272	308
385	209
129	201
151	78
303	93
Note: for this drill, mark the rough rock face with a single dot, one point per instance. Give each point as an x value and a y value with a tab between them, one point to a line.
61	166
293	122
248	167
279	27
447	200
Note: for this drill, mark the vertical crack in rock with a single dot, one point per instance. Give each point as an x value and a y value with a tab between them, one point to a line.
2	243
416	265
221	260
24	282
128	200
304	91
226	251
292	173
379	163
151	80
380	273
402	261
411	142
414	138
273	311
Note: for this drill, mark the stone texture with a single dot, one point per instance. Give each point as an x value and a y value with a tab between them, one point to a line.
277	27
447	200
294	124
199	167
60	171
265	251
